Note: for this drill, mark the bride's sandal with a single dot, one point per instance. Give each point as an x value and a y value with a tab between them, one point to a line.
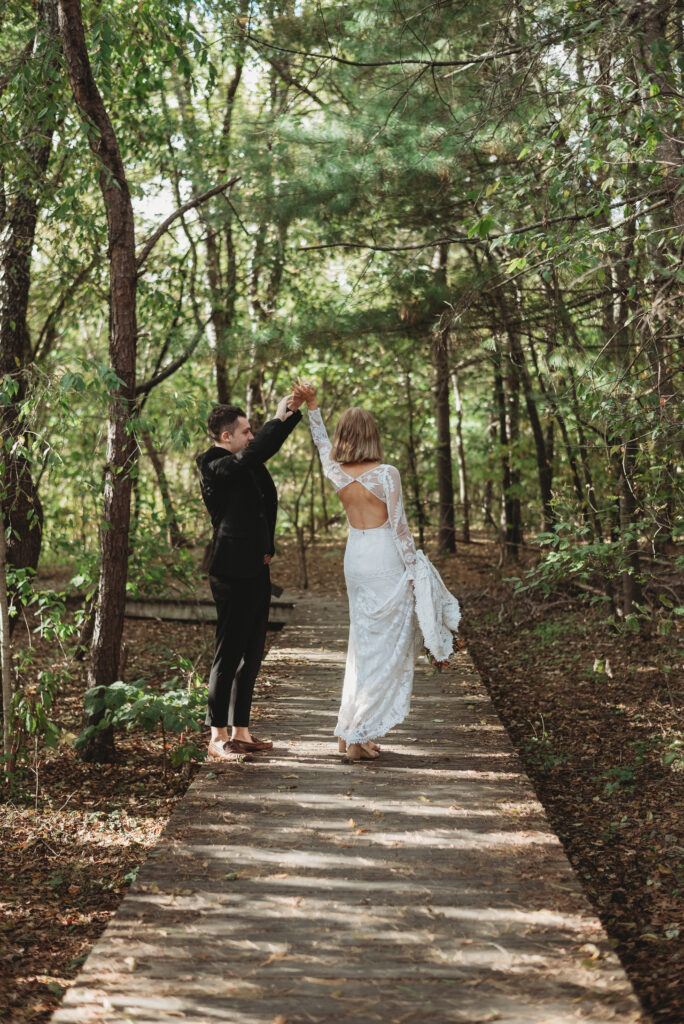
342	746
360	752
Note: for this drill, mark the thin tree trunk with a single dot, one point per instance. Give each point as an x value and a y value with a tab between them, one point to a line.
176	535
544	459
414	476
224	308
570	450
300	530
18	220
584	459
440	363
510	503
312	509
461	456
513	425
324	501
631	587
5	656
445	482
121	443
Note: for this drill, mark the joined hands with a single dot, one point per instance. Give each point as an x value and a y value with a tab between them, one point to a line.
304	391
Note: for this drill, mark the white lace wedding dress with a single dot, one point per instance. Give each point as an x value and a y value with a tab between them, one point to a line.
395	595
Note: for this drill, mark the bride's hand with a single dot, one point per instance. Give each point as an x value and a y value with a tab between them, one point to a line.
307	392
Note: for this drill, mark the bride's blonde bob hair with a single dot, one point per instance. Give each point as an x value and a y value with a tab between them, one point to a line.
356	437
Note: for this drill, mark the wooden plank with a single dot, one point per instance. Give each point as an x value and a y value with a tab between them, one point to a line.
179	610
425	885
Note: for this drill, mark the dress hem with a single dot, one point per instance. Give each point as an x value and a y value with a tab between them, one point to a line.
363	734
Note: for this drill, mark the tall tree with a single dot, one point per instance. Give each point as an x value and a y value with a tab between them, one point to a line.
24	160
121	441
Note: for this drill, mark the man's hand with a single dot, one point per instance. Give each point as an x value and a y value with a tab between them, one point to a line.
282	412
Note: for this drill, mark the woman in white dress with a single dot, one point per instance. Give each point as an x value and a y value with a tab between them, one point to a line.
384	574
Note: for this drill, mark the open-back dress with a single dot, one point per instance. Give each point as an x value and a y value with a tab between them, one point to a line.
395	594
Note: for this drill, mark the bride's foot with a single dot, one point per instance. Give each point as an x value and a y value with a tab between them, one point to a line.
361	752
342	746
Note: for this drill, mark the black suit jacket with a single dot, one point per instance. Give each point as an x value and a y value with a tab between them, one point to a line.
242	501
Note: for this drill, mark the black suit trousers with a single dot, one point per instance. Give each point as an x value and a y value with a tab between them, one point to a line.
242	617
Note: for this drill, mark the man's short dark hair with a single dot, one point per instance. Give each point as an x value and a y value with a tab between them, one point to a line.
223	417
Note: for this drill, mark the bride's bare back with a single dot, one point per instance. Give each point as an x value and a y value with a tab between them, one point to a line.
364	510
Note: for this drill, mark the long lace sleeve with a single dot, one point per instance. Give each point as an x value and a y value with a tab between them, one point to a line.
397	518
322	441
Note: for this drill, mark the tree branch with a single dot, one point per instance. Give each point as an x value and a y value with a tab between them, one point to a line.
481	59
157	378
190	205
47	331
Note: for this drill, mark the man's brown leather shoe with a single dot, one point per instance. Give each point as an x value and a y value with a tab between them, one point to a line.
256	744
225	750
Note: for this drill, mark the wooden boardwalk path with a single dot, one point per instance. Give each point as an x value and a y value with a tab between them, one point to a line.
423	887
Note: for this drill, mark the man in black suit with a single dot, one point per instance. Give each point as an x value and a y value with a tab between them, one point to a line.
242	501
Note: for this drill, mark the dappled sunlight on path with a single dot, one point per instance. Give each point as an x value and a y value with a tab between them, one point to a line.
302	889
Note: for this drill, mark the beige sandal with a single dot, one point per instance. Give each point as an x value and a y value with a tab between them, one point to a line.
360	752
342	746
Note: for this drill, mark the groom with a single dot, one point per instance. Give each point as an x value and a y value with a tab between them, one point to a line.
242	501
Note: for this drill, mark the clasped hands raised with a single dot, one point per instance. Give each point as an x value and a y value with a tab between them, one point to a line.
302	391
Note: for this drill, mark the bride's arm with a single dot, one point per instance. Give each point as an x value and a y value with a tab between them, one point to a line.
321	439
320	435
397	518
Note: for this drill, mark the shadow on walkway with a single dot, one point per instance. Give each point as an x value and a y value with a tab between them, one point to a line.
423	886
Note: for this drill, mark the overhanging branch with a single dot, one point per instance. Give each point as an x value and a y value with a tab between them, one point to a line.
168	371
468	62
190	205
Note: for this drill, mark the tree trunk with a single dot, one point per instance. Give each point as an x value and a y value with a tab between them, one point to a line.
312	509
544	458
445	483
513	425
439	351
461	456
510	502
414	476
222	307
631	587
18	219
324	500
5	658
121	443
176	535
584	459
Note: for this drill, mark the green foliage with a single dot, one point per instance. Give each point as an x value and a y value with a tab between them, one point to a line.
137	705
541	753
535	149
30	710
673	753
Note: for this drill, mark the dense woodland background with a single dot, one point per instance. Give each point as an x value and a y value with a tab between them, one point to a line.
466	216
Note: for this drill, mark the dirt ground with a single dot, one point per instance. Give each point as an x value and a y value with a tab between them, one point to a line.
590	712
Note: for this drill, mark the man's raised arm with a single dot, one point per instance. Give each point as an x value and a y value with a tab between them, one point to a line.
261	448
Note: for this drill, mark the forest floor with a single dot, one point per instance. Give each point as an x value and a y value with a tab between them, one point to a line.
589	711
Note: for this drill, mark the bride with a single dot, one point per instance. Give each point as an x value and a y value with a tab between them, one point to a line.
394	592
